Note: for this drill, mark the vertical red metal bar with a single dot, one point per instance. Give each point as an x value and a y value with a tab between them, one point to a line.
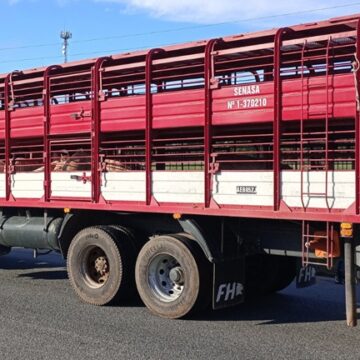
47	118
97	97
7	137
357	126
302	127
209	81
327	125
8	109
303	243
328	239
307	243
305	233
330	245
149	121
277	113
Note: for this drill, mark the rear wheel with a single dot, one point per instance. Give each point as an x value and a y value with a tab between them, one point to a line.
286	273
172	276
100	265
266	274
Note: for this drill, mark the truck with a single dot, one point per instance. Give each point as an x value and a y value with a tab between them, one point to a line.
197	174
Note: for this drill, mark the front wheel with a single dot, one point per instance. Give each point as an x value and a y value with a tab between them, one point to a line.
171	276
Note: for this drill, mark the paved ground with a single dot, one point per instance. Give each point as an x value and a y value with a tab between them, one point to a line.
41	318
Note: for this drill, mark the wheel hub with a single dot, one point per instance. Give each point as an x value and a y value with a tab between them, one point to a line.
166	277
176	275
95	267
101	265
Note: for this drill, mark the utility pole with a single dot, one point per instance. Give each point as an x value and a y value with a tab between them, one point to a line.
65	35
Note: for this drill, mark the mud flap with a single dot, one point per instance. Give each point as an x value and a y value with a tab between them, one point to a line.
228	283
357	256
306	276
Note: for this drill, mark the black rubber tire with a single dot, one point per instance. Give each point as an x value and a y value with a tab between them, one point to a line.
127	246
120	257
131	235
266	274
286	273
197	276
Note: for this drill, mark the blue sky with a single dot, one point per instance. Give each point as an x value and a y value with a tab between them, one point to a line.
29	29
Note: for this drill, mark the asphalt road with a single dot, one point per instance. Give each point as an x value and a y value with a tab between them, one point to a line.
41	318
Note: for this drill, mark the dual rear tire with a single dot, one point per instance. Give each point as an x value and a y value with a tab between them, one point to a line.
172	276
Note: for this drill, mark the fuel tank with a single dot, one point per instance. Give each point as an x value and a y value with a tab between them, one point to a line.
30	232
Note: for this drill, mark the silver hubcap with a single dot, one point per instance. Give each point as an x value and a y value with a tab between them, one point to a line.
166	277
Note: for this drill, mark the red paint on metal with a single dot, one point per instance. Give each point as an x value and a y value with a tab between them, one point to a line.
309	240
8	108
263	212
210	83
325	133
97	97
128	113
326	163
46	130
7	137
183	110
357	120
302	128
277	113
149	122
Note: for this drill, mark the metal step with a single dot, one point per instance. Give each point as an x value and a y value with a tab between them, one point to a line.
324	195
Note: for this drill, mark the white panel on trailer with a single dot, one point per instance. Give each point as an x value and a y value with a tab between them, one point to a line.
62	185
28	185
243	188
254	188
178	186
125	186
341	188
2	186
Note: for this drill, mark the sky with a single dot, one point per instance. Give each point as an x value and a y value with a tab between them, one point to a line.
30	29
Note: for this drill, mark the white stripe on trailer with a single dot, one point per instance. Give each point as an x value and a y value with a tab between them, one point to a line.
62	184
341	188
26	185
228	185
178	186
2	185
123	186
252	188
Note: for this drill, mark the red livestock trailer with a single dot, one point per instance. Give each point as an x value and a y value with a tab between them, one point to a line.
199	171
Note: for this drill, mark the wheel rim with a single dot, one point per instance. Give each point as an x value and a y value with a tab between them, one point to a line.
166	277
95	266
